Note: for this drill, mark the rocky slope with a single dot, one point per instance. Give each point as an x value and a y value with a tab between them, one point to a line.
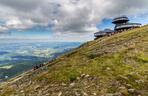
109	66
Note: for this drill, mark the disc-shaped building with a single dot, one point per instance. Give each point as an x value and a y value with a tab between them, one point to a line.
121	24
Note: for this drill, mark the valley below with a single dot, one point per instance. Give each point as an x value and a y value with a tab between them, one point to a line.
17	57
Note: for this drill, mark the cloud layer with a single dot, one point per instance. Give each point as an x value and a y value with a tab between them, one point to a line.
71	16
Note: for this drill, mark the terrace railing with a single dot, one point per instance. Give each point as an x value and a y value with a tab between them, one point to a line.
128	25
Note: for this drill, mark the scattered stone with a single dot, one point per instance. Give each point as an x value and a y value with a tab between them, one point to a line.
85	94
95	94
77	94
85	83
139	81
139	95
37	87
109	94
117	94
82	75
122	88
40	92
30	82
63	84
86	76
60	94
46	87
78	78
22	91
108	68
48	94
124	91
72	84
131	91
128	86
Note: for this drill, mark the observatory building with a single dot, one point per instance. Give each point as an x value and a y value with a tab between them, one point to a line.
121	24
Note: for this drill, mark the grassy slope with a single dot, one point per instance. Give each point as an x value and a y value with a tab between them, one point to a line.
107	65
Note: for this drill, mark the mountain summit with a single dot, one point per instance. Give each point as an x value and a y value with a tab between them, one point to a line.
109	66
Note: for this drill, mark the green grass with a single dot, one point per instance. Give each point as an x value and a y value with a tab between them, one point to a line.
121	58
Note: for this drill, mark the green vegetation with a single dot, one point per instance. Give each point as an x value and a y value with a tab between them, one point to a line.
117	64
12	70
6	67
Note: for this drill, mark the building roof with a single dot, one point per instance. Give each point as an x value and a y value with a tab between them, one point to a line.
120	19
108	30
103	32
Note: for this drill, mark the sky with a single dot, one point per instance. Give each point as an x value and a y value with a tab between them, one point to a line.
65	20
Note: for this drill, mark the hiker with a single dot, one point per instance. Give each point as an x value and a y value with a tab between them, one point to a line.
34	68
37	67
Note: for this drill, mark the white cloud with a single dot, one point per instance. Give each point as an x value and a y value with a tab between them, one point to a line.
3	29
71	16
19	24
